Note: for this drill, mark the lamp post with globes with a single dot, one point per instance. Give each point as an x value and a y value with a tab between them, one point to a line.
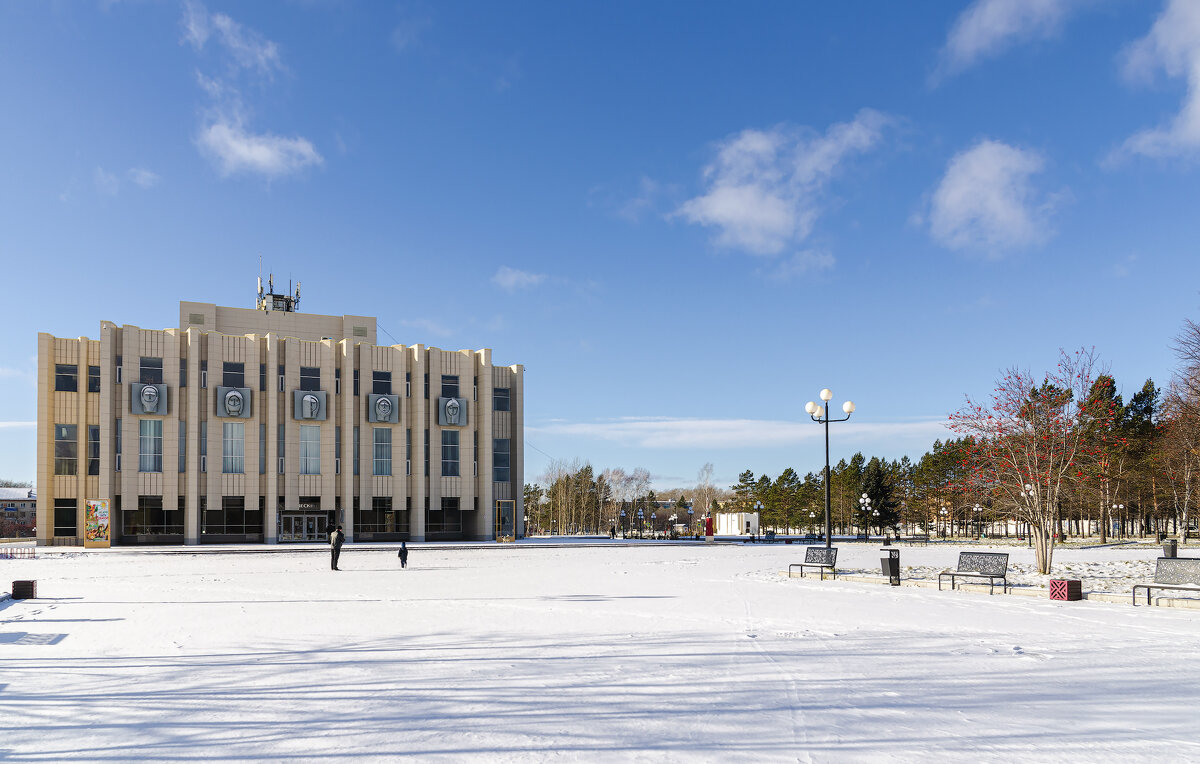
758	509
820	415
1119	511
864	504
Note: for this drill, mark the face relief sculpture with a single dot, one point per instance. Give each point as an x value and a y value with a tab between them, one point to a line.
149	399
233	403
311	406
452	410
383	409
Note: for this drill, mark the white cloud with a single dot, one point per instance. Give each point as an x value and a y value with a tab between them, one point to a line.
17	425
764	189
1173	44
408	31
988	27
985	201
429	327
801	263
672	433
513	279
142	177
225	136
105	182
238	151
246	47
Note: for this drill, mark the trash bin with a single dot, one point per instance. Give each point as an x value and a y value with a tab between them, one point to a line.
1170	548
891	565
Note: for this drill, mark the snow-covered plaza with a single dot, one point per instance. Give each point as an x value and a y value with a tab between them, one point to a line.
529	652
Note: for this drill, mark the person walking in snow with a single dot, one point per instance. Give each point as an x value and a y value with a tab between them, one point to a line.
336	539
403	555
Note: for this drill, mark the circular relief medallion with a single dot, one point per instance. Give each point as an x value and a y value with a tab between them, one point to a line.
149	396
234	403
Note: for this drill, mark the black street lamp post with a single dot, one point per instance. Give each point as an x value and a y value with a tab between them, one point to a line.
819	415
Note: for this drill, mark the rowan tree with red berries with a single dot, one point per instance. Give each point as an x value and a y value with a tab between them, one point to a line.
1029	446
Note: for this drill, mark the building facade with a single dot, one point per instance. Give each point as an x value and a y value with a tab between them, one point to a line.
19	507
270	425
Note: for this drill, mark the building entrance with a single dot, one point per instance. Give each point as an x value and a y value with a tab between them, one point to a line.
304	527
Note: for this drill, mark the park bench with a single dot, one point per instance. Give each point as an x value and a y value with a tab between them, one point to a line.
1178	573
916	539
769	537
816	557
989	565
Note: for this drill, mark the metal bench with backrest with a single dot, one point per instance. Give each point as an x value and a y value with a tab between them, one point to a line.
817	557
1177	573
990	565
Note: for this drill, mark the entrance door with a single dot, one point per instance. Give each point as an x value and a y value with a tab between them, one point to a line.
322	528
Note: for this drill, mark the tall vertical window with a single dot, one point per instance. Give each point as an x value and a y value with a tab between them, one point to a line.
310	449
203	445
426	385
407	383
233	374
93	449
262	377
93	379
356	381
66	449
117	444
426	452
262	449
151	371
501	460
383	451
183	372
310	377
381	382
66	378
150	445
337	381
355	449
233	447
65	514
182	449
337	443
408	451
449	385
500	399
279	446
450	453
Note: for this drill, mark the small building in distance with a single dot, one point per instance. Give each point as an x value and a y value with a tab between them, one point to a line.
270	425
18	506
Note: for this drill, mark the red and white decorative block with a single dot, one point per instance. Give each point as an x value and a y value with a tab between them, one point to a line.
1066	589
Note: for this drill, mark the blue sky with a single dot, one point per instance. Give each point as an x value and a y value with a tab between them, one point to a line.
685	219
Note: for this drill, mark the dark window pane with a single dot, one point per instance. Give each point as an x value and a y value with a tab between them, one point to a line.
66	378
93	379
310	378
500	399
233	374
381	382
151	371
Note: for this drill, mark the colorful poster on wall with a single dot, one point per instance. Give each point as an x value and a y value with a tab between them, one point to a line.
95	526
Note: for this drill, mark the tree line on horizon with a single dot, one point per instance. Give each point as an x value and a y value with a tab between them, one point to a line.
1054	455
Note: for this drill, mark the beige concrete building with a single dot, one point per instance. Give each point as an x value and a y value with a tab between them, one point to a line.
270	425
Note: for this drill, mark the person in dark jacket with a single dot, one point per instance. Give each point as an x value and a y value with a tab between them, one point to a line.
403	555
336	539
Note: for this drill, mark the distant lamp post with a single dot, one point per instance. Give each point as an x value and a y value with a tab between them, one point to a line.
820	415
812	520
641	522
864	504
653	524
1029	494
525	526
623	534
690	513
978	513
758	507
1119	511
942	514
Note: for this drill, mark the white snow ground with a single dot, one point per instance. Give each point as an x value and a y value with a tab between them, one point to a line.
626	654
